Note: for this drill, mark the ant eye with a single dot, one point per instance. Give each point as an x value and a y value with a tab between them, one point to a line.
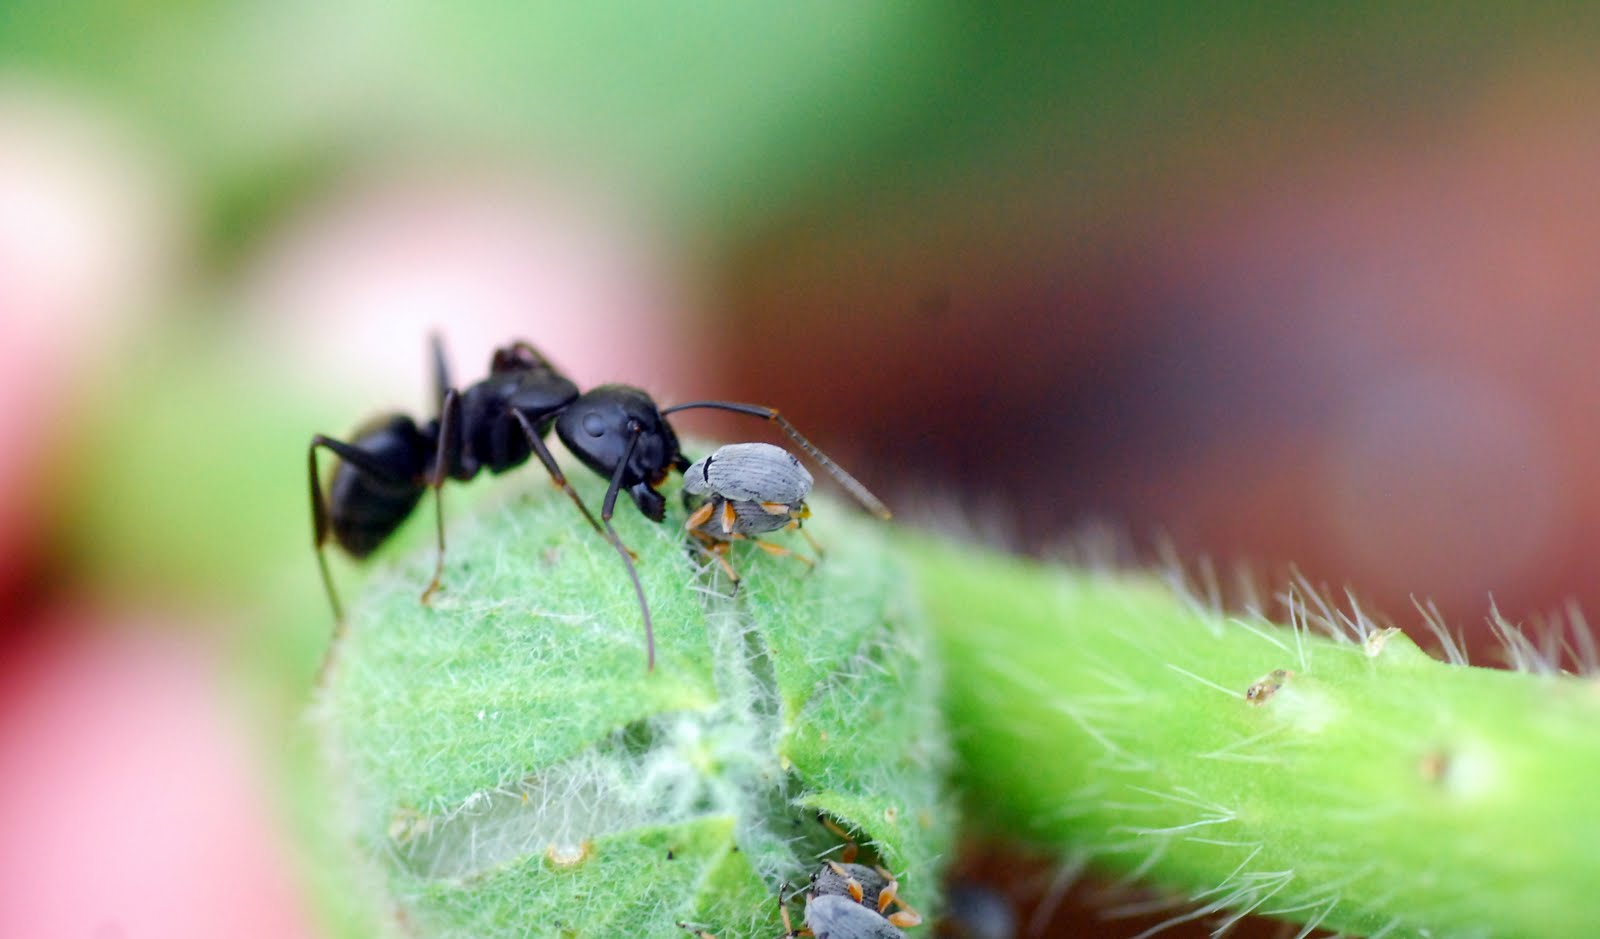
594	425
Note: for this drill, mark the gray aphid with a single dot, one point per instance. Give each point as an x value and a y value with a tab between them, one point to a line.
828	881
750	472
833	916
748	476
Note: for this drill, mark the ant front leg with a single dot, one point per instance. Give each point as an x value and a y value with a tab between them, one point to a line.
608	507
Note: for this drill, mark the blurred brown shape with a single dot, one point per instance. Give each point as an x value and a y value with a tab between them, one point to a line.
1376	364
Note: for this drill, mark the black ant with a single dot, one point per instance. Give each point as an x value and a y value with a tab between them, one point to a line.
496	424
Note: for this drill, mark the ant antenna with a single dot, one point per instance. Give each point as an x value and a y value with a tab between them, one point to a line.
862	495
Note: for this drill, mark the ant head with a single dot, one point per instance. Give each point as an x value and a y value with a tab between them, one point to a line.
619	433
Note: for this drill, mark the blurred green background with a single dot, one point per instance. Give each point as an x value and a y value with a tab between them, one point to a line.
1273	285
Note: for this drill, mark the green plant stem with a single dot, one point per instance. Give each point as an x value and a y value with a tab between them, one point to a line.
1365	786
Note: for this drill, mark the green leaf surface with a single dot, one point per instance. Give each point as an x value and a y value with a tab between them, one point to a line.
512	769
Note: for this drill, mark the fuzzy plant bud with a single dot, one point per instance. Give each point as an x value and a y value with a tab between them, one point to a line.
508	766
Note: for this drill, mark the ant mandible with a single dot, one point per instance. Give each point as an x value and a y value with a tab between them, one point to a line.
496	424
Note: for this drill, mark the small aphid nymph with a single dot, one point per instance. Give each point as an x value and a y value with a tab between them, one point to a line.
1268	685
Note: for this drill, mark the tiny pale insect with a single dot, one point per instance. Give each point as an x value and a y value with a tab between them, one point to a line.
743	490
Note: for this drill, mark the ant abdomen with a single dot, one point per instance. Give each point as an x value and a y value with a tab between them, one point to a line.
365	508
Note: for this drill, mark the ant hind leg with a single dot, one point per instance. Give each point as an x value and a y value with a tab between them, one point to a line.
319	529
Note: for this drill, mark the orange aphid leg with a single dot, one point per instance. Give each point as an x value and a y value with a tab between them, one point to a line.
905	917
815	548
851	900
717	551
848	855
699	517
774	508
789	932
850	883
729	517
782	552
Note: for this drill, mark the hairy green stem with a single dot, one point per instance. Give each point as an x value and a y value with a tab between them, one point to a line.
1359	785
